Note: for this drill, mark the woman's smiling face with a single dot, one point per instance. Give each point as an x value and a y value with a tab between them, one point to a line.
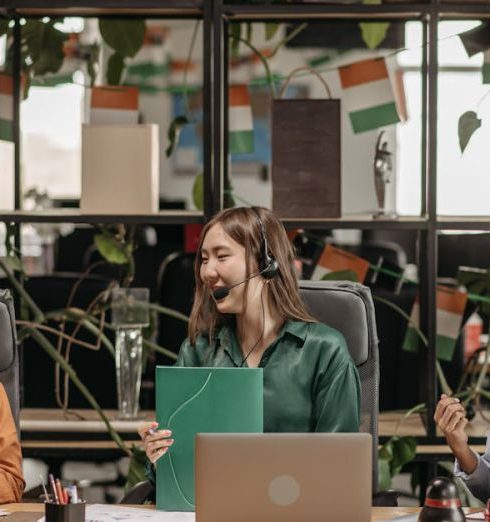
223	265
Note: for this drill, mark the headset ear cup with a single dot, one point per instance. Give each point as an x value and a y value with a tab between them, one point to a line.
271	269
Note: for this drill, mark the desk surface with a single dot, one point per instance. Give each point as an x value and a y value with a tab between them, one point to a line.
389	421
47	430
54	420
38	420
378	513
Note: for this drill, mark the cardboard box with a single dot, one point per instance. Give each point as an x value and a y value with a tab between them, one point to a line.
120	169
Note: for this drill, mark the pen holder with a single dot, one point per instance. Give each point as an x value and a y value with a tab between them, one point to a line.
65	512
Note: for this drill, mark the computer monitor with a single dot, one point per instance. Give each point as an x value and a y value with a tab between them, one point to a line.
283	477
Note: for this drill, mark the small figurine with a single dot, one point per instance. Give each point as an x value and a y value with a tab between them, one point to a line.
442	503
383	167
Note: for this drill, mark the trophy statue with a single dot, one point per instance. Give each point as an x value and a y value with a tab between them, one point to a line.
383	167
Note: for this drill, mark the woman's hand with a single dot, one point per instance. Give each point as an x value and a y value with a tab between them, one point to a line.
156	442
450	417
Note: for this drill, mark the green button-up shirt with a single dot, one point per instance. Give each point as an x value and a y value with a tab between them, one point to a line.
310	381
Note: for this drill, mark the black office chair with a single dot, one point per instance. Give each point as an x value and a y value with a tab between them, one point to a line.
9	361
348	307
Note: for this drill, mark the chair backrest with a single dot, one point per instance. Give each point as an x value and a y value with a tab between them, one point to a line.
348	307
9	361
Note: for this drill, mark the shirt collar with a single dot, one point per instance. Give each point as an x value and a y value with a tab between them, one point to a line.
227	339
297	329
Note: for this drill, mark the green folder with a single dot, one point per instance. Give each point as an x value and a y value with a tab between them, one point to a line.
201	400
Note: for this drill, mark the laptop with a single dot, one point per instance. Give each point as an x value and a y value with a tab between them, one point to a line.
283	477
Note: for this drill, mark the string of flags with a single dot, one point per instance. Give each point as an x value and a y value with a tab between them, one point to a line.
334	259
240	125
6	107
114	105
450	307
331	262
368	95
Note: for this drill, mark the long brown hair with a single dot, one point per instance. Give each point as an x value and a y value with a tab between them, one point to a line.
242	225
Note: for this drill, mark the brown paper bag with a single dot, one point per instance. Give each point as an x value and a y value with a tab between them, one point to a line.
306	156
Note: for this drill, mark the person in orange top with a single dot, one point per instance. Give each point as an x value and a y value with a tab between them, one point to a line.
11	479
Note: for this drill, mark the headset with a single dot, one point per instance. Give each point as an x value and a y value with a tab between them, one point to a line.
268	266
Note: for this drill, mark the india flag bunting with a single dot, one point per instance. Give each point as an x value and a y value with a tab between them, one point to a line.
336	260
111	105
241	134
6	107
486	66
368	95
451	304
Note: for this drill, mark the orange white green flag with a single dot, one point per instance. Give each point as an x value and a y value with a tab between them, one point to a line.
451	304
240	122
334	259
486	67
112	105
6	107
368	95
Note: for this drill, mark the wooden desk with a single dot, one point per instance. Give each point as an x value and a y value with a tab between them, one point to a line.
389	420
43	420
379	513
46	434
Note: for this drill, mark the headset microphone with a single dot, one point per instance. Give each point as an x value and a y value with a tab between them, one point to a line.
224	291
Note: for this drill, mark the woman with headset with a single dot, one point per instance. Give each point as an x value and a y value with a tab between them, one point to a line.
247	311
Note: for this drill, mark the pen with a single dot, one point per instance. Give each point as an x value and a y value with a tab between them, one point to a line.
59	490
53	488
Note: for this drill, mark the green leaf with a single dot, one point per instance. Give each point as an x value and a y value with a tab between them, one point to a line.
341	275
111	249
476	281
115	67
468	124
386	451
373	33
137	465
4	26
44	45
235	33
174	133
93	62
404	451
198	192
384	476
271	30
124	36
249	31
14	263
